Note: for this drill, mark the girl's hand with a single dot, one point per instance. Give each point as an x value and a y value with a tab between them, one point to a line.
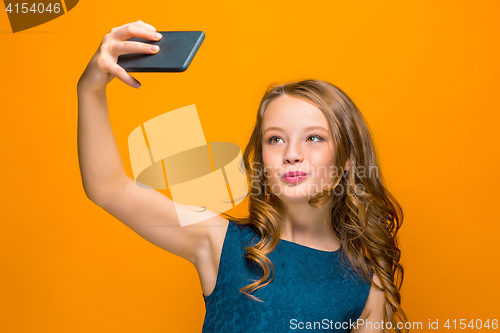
103	66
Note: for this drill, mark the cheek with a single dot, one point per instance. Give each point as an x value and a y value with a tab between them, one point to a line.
323	157
323	164
272	166
269	163
270	158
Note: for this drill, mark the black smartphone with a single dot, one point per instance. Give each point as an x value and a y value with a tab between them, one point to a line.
177	49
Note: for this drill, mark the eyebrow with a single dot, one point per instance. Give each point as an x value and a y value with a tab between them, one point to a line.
305	129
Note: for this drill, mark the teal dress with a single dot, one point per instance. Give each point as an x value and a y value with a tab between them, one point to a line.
311	291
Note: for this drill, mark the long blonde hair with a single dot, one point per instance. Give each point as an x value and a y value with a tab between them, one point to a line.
365	216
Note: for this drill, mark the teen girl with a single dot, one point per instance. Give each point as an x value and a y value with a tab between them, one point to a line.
318	249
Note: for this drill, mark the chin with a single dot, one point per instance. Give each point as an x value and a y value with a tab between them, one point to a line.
294	199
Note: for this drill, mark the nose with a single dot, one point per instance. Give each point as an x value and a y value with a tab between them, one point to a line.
293	154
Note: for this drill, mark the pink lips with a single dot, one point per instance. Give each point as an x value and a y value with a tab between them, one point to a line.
294	176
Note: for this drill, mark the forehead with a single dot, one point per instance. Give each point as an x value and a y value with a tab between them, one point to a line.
294	113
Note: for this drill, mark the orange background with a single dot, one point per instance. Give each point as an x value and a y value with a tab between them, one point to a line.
424	73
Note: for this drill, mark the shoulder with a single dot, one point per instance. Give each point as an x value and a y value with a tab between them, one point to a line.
375	304
241	231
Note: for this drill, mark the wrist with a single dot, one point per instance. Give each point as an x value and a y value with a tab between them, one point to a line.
83	89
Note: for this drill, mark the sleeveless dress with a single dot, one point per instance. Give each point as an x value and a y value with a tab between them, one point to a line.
311	290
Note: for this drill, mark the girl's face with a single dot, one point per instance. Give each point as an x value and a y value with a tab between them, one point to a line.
296	137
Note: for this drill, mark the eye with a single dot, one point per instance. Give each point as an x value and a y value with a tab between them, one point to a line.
311	136
317	137
272	138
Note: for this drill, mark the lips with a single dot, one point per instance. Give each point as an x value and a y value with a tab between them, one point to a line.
294	174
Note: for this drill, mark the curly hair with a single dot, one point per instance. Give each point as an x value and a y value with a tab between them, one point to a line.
365	216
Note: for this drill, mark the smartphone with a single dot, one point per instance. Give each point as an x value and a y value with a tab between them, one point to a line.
177	50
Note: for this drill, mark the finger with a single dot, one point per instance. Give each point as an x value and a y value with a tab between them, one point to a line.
137	22
117	70
146	25
116	28
125	47
134	30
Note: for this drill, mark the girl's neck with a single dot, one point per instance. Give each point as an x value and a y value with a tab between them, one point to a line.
308	225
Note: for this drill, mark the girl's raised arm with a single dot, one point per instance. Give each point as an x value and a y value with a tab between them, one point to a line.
146	211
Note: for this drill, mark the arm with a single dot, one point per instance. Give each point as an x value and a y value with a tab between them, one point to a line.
374	309
100	162
146	211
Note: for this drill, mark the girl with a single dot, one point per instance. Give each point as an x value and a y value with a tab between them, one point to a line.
317	251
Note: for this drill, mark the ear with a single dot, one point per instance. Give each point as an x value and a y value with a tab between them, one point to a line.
346	167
